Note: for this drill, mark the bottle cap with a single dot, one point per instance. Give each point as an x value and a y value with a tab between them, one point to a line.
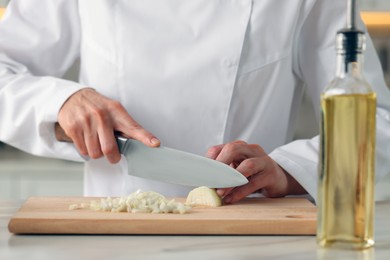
350	42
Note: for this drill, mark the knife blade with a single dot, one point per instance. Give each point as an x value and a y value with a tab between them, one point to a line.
171	165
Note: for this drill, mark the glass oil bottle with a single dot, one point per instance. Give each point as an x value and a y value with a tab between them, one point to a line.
347	149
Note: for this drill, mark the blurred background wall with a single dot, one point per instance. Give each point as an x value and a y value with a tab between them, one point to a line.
23	175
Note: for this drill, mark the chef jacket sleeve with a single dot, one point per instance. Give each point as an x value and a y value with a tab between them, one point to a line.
314	64
39	41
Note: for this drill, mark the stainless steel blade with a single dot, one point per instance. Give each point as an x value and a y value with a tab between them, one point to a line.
174	166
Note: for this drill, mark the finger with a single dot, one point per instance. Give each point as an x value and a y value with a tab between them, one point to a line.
257	182
108	144
137	132
92	143
232	155
224	191
131	129
78	140
238	151
213	152
252	166
248	168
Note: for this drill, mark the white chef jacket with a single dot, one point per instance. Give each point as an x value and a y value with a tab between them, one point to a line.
195	73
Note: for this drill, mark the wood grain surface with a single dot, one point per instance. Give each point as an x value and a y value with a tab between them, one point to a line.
252	216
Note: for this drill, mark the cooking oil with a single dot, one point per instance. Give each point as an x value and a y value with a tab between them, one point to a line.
346	194
347	147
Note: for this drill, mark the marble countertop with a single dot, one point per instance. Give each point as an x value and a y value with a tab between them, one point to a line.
179	247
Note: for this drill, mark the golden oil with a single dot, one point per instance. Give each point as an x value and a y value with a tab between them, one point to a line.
347	170
347	147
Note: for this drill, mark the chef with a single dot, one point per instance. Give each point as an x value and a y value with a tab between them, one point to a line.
193	75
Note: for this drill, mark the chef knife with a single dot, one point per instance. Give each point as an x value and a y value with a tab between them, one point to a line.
171	165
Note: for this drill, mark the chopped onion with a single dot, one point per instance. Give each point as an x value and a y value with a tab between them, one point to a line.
137	202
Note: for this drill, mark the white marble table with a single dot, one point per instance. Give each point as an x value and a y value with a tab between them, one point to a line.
180	247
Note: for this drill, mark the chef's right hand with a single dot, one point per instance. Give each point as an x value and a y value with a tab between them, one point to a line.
90	120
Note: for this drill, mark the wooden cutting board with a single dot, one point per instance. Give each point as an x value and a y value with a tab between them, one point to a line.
252	216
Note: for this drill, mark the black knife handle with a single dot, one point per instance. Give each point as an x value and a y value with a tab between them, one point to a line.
61	135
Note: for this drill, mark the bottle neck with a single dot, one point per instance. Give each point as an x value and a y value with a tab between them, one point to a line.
347	67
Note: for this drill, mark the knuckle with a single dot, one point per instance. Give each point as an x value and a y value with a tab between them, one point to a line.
240	142
102	117
270	193
231	148
239	194
139	131
114	159
249	165
78	121
114	105
99	112
109	149
95	154
135	126
212	151
256	147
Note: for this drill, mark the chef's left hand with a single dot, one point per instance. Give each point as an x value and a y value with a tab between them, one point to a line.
263	173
